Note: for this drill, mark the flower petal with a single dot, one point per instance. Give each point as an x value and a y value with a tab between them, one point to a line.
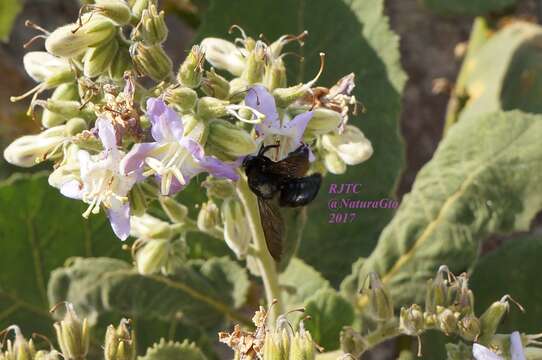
482	353
166	123
516	347
106	132
72	189
299	124
120	220
219	169
135	159
261	100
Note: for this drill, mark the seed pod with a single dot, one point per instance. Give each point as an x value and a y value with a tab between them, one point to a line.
275	75
116	10
302	346
72	335
120	342
153	28
97	60
229	140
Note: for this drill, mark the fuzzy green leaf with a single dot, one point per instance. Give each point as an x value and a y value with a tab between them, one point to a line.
201	292
504	74
509	270
356	37
173	350
300	281
329	312
9	9
39	230
485	178
467	7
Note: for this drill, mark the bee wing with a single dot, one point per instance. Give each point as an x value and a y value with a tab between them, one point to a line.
296	164
273	226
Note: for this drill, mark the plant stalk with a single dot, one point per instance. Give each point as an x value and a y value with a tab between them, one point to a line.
265	262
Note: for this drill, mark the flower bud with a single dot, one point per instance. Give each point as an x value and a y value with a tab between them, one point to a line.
215	85
66	91
334	164
277	345
437	292
75	126
255	64
208	216
352	342
447	320
152	61
491	318
72	335
236	230
98	59
351	146
41	65
223	55
139	6
72	40
46	355
412	320
219	188
152	256
153	28
29	150
175	211
137	201
302	346
275	75
60	111
19	349
229	139
380	304
286	96
120	342
116	10
191	71
322	122
182	97
148	227
469	328
238	88
121	63
211	108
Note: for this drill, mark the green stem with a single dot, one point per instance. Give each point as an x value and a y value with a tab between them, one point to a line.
265	262
382	333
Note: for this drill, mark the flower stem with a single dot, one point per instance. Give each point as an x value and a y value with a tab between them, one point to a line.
265	262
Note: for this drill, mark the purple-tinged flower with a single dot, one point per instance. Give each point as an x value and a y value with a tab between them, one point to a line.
173	158
101	182
481	352
289	132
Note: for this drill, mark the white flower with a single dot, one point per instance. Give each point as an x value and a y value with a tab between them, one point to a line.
481	352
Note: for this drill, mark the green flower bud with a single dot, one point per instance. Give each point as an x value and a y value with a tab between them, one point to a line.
219	188
175	211
120	342
215	85
437	292
351	146
182	97
42	66
236	230
491	318
153	28
66	91
152	61
286	96
447	320
323	121
30	150
75	126
191	71
334	164
238	88
469	328
116	10
19	349
255	64
352	342
139	6
72	335
97	60
121	63
152	256
138	201
211	108
223	55
229	139
63	109
411	320
380	304
148	227
195	128
208	216
275	75
302	346
72	40
47	355
277	345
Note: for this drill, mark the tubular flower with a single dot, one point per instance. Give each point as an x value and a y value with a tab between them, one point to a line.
101	182
173	158
288	132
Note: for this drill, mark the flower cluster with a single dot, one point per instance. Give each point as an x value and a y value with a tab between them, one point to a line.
123	129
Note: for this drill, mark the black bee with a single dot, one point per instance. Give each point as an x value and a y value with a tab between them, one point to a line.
280	183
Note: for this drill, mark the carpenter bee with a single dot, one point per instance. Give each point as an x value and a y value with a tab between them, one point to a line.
280	184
